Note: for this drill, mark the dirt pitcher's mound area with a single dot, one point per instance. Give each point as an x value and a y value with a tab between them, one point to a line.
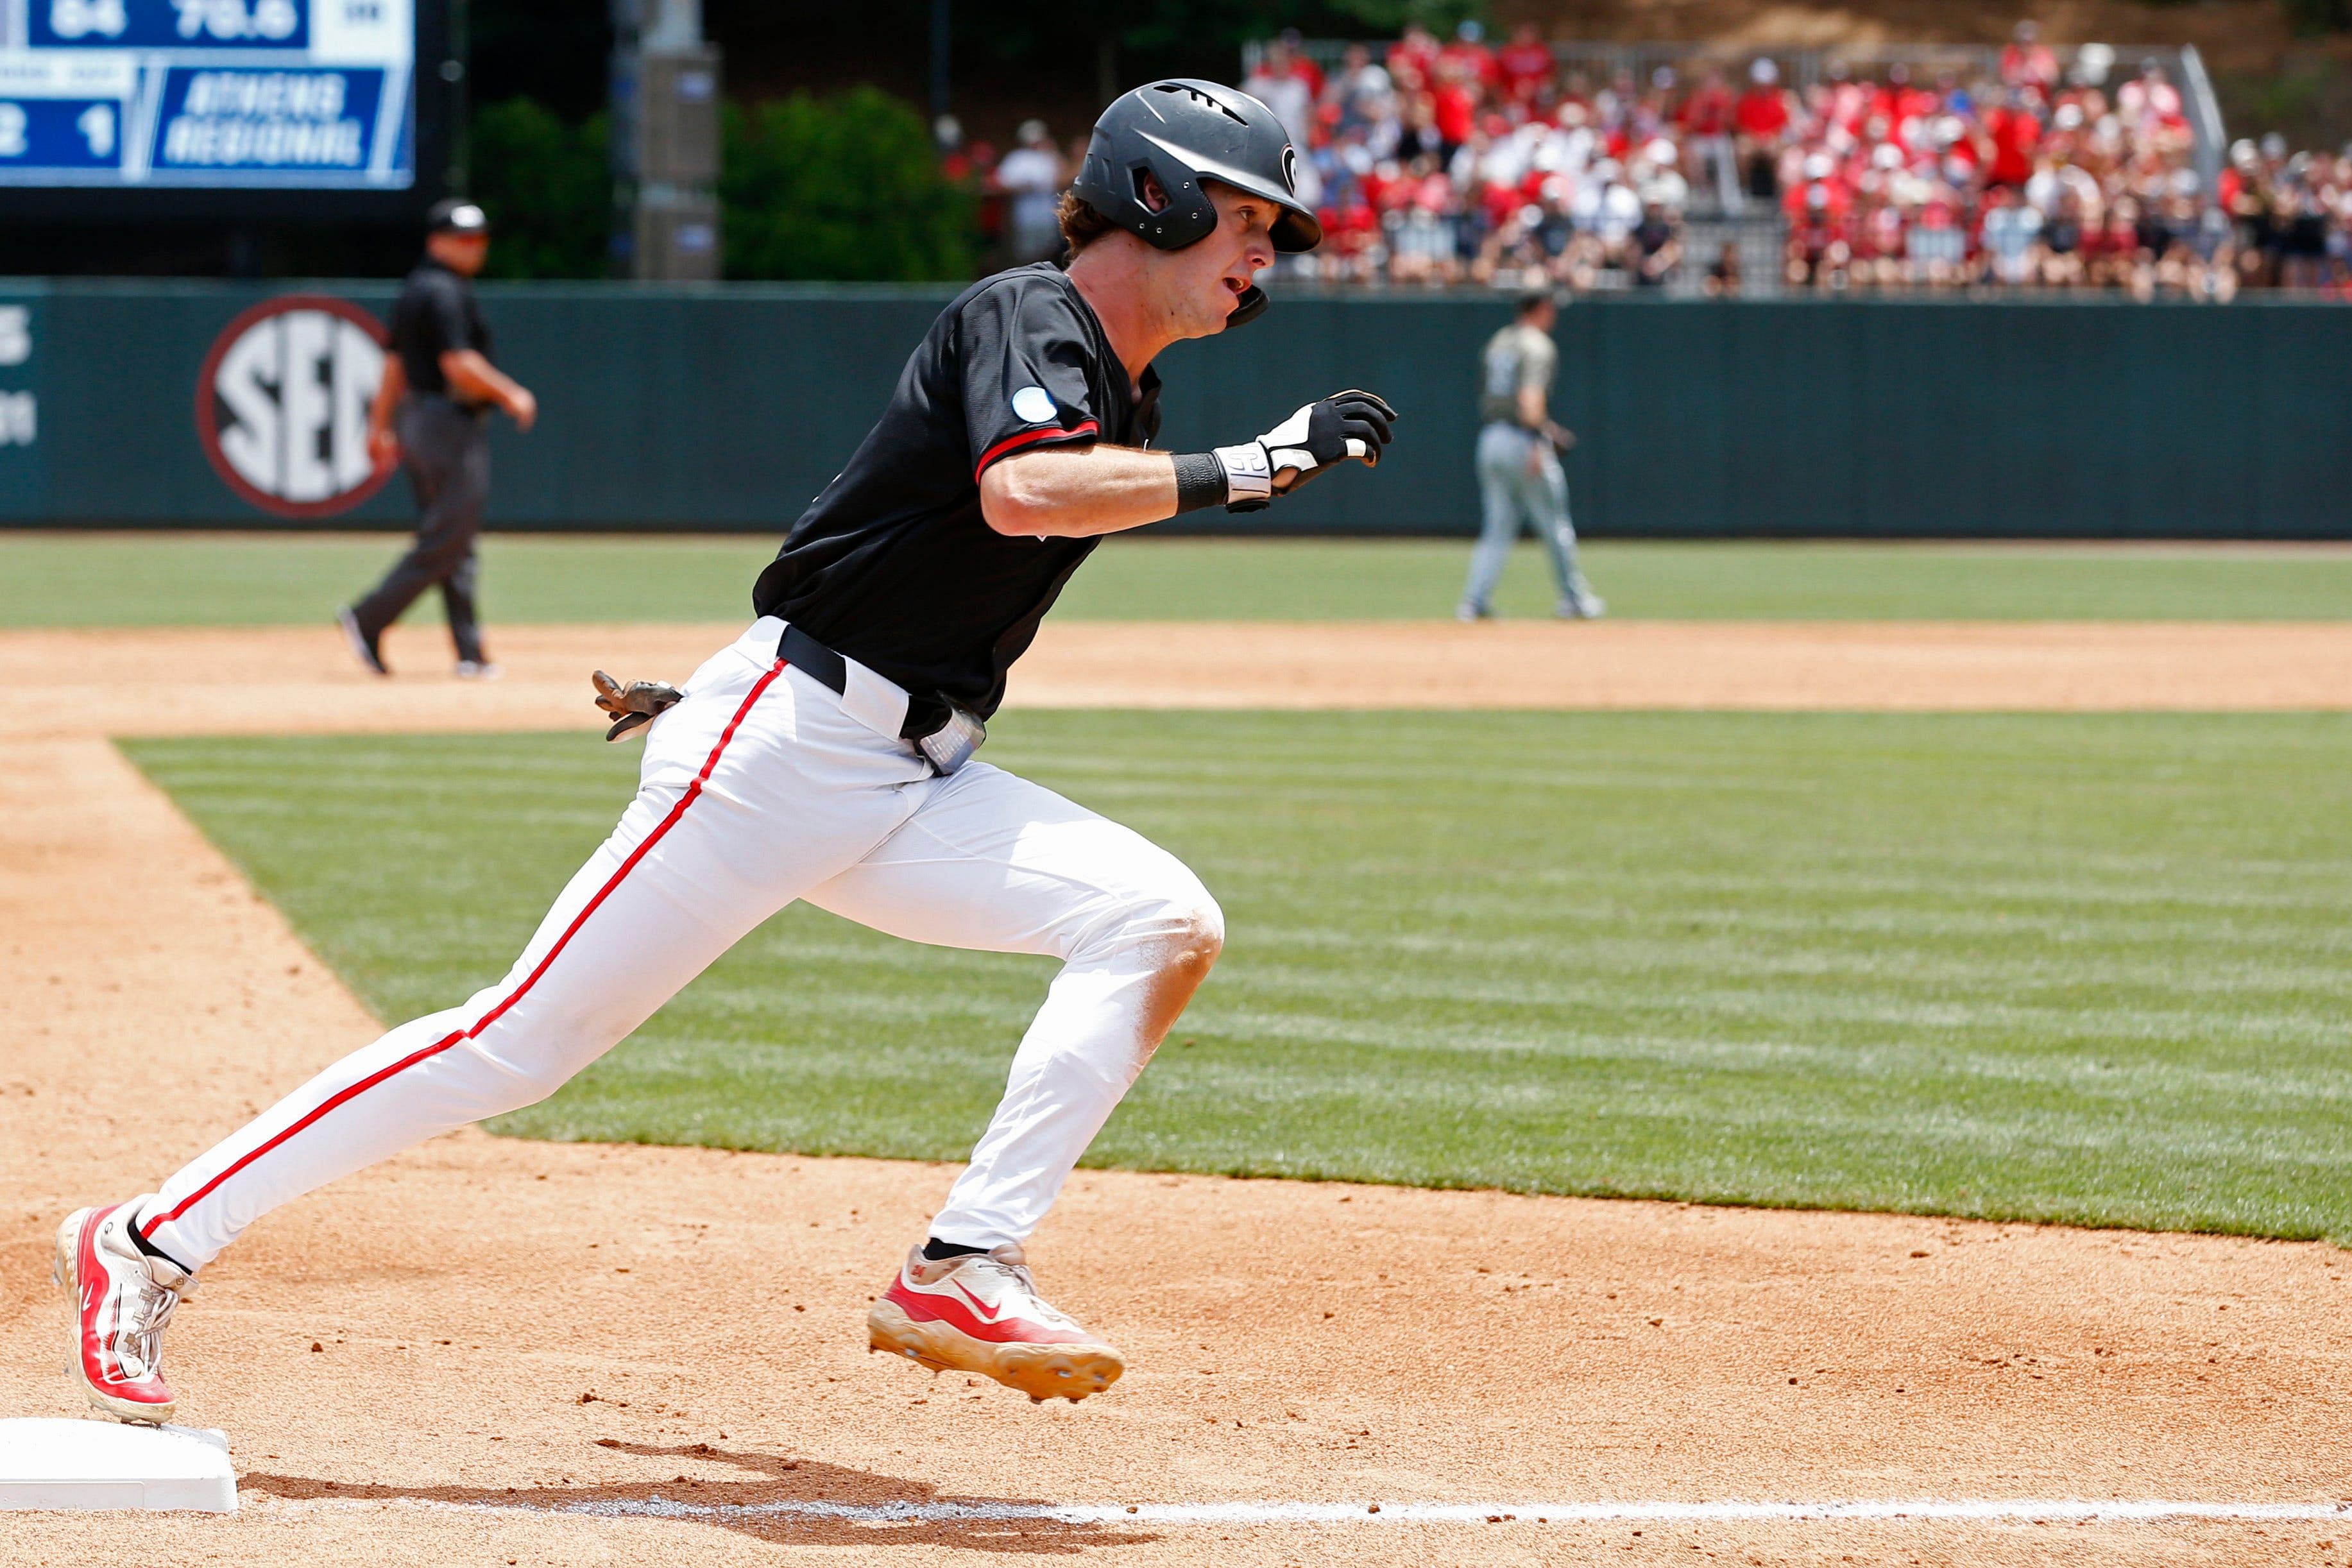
288	679
491	1351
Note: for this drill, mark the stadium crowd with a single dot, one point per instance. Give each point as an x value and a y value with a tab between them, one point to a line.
1456	162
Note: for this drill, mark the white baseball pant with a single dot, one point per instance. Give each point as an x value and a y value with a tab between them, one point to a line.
763	787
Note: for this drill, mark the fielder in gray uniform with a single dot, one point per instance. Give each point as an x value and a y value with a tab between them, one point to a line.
1519	476
438	388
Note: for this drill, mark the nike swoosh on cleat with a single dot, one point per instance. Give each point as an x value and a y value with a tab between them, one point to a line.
987	1314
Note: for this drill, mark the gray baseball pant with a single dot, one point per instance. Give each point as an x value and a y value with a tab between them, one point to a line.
1521	484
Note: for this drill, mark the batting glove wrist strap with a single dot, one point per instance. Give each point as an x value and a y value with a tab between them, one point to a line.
1249	475
1318	436
1199	481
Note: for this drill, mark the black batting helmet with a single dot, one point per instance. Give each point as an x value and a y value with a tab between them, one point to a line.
1182	131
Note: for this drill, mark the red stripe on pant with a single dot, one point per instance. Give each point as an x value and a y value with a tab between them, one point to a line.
693	792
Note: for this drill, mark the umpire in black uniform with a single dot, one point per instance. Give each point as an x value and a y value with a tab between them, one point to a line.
438	388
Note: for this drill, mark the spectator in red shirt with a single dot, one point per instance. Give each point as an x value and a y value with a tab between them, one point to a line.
1454	106
1414	56
1468	50
1302	64
1760	122
1705	119
2014	133
1524	65
2027	62
2149	102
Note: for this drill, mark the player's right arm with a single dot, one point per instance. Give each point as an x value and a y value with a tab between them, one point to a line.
1077	492
1073	491
1031	415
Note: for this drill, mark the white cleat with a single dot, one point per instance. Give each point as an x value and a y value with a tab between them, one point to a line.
122	1300
981	1314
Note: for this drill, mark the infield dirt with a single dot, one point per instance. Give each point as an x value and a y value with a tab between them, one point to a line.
435	1361
287	679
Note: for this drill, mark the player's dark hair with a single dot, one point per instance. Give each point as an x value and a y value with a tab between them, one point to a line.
1081	224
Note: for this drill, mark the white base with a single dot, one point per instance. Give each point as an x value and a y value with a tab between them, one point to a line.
91	1465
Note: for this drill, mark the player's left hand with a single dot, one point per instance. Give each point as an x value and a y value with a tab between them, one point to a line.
384	448
636	705
1350	425
1326	433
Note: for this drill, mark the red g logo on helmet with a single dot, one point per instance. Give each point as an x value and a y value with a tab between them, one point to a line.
282	404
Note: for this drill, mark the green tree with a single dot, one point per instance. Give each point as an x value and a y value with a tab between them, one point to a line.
547	189
844	188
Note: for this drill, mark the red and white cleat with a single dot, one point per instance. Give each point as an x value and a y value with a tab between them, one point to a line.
982	1313
122	1299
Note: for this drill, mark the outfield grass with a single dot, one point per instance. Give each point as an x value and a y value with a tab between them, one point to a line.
2082	968
52	580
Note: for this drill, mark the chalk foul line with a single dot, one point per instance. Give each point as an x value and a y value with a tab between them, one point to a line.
1976	1510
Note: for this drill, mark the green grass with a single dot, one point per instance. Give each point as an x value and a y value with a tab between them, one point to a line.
2066	968
53	580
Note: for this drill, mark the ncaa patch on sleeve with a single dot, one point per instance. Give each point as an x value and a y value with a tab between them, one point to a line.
1034	406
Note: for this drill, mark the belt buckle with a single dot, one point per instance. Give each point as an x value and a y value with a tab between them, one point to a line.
951	745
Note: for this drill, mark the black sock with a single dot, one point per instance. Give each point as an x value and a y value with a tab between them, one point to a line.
138	1239
937	1251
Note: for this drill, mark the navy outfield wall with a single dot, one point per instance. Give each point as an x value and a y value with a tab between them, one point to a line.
728	407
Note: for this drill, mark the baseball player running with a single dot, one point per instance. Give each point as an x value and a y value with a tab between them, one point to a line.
1519	475
828	755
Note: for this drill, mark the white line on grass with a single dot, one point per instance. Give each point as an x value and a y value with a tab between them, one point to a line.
1975	1510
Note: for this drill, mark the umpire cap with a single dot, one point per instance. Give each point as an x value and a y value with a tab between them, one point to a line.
1184	132
456	215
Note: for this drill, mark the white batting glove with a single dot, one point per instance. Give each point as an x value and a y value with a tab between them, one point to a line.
1320	436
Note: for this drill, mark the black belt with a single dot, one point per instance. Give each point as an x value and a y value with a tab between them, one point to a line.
829	670
456	404
815	660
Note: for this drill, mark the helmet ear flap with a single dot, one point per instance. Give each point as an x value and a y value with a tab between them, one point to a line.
1186	214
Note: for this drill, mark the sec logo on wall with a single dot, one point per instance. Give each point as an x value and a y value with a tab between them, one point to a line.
282	404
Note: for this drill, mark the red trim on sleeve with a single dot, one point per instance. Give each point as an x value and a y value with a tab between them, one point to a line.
1028	439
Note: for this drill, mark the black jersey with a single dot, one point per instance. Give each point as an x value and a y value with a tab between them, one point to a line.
893	564
435	313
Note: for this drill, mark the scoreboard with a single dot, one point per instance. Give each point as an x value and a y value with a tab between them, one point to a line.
130	95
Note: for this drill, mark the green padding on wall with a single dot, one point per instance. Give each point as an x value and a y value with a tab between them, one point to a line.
728	407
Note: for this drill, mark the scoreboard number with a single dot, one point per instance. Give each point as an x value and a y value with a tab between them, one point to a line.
229	20
88	19
97	127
